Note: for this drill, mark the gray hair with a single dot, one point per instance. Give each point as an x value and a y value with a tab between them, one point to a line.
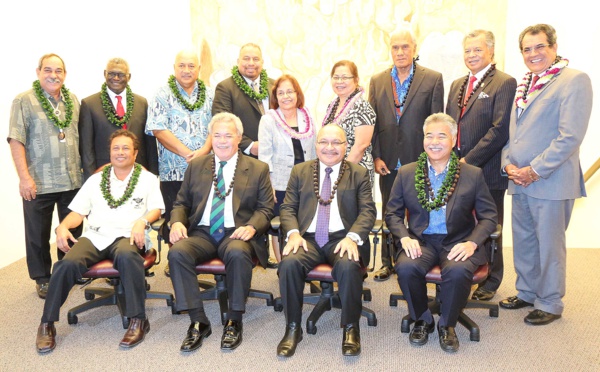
536	29
440	117
226	117
490	41
118	61
50	55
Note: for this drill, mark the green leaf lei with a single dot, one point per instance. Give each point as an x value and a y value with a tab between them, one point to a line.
105	186
39	94
199	98
247	89
109	108
423	185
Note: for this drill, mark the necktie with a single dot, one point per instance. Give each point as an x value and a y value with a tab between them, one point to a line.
322	231
533	82
121	110
256	88
472	80
217	212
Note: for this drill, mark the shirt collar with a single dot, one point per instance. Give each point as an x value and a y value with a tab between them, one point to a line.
431	169
394	71
480	74
232	160
113	95
113	176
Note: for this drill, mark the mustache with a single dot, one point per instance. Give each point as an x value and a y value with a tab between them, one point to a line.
53	80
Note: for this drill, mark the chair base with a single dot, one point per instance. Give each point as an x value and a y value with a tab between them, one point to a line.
113	296
464	319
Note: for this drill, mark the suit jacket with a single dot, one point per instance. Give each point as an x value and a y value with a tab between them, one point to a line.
353	195
252	198
230	98
484	125
95	130
393	139
277	150
470	213
547	135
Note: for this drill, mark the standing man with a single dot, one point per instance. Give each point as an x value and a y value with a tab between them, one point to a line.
117	223
223	209
451	215
114	107
552	109
402	96
481	103
326	226
44	143
178	116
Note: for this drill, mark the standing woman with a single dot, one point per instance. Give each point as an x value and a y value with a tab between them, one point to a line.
286	134
351	112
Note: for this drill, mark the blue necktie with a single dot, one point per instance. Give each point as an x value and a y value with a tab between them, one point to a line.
217	212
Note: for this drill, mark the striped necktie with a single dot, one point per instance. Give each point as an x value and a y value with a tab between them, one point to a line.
217	212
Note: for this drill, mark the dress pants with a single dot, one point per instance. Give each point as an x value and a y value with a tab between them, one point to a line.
294	267
492	283
457	278
385	186
200	247
38	224
540	250
126	259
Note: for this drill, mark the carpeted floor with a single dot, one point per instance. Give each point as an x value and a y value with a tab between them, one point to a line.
507	344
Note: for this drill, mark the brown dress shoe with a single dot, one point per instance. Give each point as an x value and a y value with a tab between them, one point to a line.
46	338
42	290
135	333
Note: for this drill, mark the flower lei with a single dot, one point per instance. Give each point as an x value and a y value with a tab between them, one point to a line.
425	193
329	115
105	186
315	167
308	133
523	91
247	89
37	89
109	108
200	97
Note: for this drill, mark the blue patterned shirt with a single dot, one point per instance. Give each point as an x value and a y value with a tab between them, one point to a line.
437	219
401	92
191	128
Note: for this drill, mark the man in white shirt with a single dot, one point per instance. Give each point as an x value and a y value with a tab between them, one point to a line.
120	203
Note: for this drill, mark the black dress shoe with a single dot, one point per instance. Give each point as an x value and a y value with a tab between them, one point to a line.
382	274
272	263
287	345
42	290
540	317
45	340
232	335
514	302
196	333
482	294
135	333
448	339
167	271
351	341
420	332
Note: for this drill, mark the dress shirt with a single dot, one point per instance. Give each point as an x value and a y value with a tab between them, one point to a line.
114	100
437	219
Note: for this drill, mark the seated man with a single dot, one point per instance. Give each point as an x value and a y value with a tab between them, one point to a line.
325	227
120	203
226	220
444	199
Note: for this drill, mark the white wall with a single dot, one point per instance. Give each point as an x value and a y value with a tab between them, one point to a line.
152	32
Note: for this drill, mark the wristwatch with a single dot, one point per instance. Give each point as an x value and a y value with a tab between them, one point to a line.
146	222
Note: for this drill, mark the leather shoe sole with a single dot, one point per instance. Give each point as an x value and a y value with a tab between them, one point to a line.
382	274
540	317
482	294
196	334
420	332
513	303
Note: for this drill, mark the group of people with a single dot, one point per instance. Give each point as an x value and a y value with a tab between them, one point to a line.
229	161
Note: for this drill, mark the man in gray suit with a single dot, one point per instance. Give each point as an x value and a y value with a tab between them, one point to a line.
552	109
100	115
480	103
402	96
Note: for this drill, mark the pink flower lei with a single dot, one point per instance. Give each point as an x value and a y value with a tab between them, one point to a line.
523	95
344	111
310	128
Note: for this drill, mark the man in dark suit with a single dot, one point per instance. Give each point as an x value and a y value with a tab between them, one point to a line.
480	103
114	107
402	97
246	95
223	208
547	125
451	216
328	226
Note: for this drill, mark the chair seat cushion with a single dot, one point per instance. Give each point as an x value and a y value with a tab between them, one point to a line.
216	266
322	273
435	274
105	269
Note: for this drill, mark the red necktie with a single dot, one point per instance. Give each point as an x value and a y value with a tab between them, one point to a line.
533	82
472	80
121	110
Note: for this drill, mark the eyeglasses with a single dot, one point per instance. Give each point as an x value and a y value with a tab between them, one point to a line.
288	93
536	48
112	75
332	143
341	78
